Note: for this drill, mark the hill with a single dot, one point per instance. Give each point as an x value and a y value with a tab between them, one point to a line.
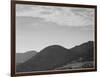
22	57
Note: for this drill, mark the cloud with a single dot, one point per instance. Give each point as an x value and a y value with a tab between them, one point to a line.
63	16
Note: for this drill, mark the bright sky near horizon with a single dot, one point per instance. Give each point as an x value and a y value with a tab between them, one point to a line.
40	26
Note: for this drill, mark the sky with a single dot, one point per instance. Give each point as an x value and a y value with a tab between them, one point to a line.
40	26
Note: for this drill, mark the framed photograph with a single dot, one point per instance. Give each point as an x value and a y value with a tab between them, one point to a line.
51	38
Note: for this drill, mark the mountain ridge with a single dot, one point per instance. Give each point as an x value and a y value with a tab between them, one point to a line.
55	56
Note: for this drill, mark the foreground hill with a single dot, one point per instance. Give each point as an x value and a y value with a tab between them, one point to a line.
56	56
48	58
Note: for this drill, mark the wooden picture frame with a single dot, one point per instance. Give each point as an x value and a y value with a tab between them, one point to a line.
53	5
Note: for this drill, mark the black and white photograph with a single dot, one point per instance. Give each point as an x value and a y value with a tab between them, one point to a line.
54	38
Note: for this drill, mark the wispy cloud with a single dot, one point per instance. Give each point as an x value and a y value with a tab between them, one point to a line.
63	16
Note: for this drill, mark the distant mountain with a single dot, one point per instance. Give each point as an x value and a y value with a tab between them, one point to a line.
56	56
22	57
